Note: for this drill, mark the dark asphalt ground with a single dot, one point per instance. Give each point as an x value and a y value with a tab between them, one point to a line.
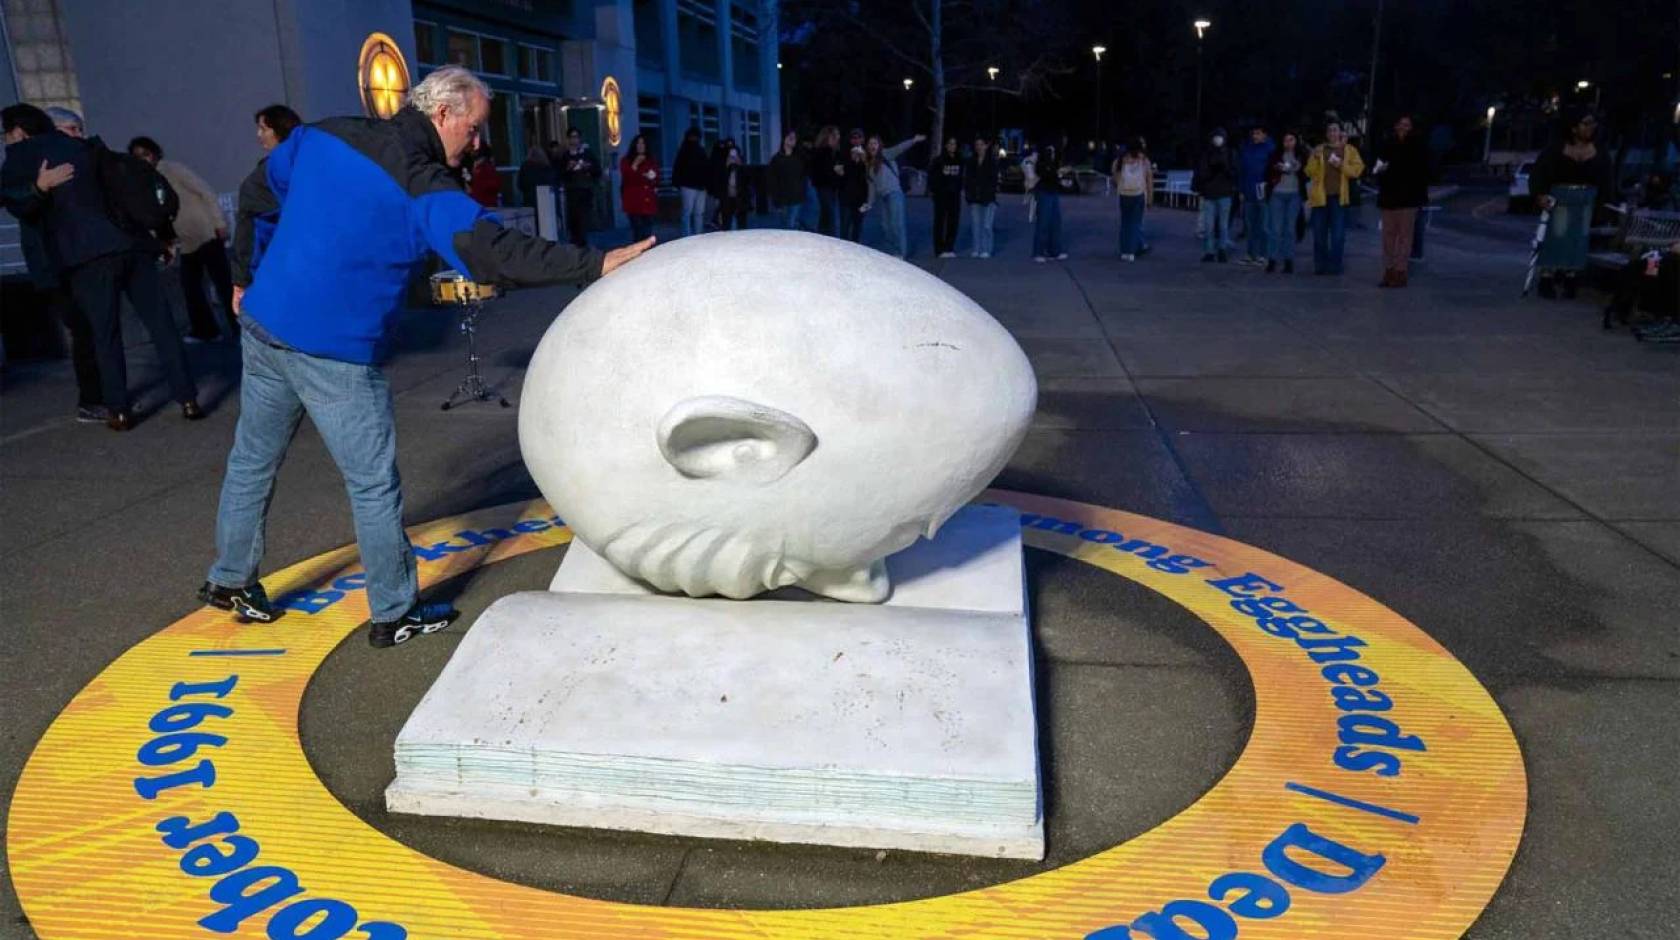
1498	471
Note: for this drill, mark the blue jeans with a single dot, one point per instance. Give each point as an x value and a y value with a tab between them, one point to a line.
790	216
1047	226
980	218
1329	225
895	241
1131	224
350	406
1254	224
693	211
1216	223
1281	214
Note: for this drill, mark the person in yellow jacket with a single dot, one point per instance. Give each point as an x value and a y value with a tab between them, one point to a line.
1330	170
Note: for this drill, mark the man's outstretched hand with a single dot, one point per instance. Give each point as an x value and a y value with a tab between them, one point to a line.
621	256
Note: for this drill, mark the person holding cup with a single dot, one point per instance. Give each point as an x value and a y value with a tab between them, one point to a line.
1330	170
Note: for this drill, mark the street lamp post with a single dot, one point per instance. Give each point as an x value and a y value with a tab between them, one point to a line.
909	126
991	75
1098	52
1201	25
1487	142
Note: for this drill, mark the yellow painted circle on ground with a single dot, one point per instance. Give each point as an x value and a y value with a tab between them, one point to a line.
1414	854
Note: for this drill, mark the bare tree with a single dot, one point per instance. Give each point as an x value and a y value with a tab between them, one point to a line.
953	43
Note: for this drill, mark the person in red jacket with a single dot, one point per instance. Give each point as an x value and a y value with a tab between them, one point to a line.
486	185
640	170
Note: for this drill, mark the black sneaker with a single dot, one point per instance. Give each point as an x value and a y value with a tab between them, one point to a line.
1223	258
249	604
1208	256
92	414
420	619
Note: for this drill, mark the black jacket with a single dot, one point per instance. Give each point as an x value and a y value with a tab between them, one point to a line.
531	175
354	206
579	170
691	171
945	176
1216	173
980	179
823	175
1552	168
75	224
1404	182
854	189
743	183
785	178
1048	166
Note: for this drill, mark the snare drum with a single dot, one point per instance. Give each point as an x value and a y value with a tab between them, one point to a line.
453	287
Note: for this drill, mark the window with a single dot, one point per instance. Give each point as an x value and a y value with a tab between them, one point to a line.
493	54
743	44
705	117
753	131
463	49
538	119
46	74
500	131
697	38
648	124
536	64
425	42
650	33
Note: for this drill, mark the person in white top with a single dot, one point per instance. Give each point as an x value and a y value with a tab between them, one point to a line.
1134	180
201	229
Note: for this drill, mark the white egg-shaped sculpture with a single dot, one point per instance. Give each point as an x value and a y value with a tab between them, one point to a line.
742	411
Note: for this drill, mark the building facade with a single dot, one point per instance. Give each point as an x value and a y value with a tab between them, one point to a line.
191	73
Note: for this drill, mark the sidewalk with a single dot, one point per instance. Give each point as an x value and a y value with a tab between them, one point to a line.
1497	470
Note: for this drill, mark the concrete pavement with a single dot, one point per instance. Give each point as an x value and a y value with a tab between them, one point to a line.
1498	471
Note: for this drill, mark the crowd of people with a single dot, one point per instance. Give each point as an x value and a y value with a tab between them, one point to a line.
1281	189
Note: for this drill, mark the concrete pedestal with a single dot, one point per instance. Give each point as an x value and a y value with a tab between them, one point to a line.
908	725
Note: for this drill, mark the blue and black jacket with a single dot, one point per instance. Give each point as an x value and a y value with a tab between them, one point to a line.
346	210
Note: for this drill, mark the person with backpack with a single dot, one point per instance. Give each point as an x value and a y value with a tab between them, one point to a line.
106	217
200	229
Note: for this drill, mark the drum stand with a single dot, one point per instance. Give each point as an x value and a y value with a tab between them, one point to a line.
473	387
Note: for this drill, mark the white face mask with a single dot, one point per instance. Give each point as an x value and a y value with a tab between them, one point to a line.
1218	141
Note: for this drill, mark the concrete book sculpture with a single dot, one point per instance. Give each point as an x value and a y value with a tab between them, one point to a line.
736	414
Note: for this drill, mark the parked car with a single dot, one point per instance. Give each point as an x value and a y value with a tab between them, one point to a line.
1519	199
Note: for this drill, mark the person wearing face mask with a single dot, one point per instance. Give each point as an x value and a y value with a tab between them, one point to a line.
1215	181
1331	169
358	203
945	180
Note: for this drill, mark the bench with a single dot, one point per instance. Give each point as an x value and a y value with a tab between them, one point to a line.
1639	231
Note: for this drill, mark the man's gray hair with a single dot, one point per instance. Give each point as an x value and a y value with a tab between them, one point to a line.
64	117
451	85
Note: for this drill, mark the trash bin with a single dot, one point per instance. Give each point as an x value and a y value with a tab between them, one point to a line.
1565	247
